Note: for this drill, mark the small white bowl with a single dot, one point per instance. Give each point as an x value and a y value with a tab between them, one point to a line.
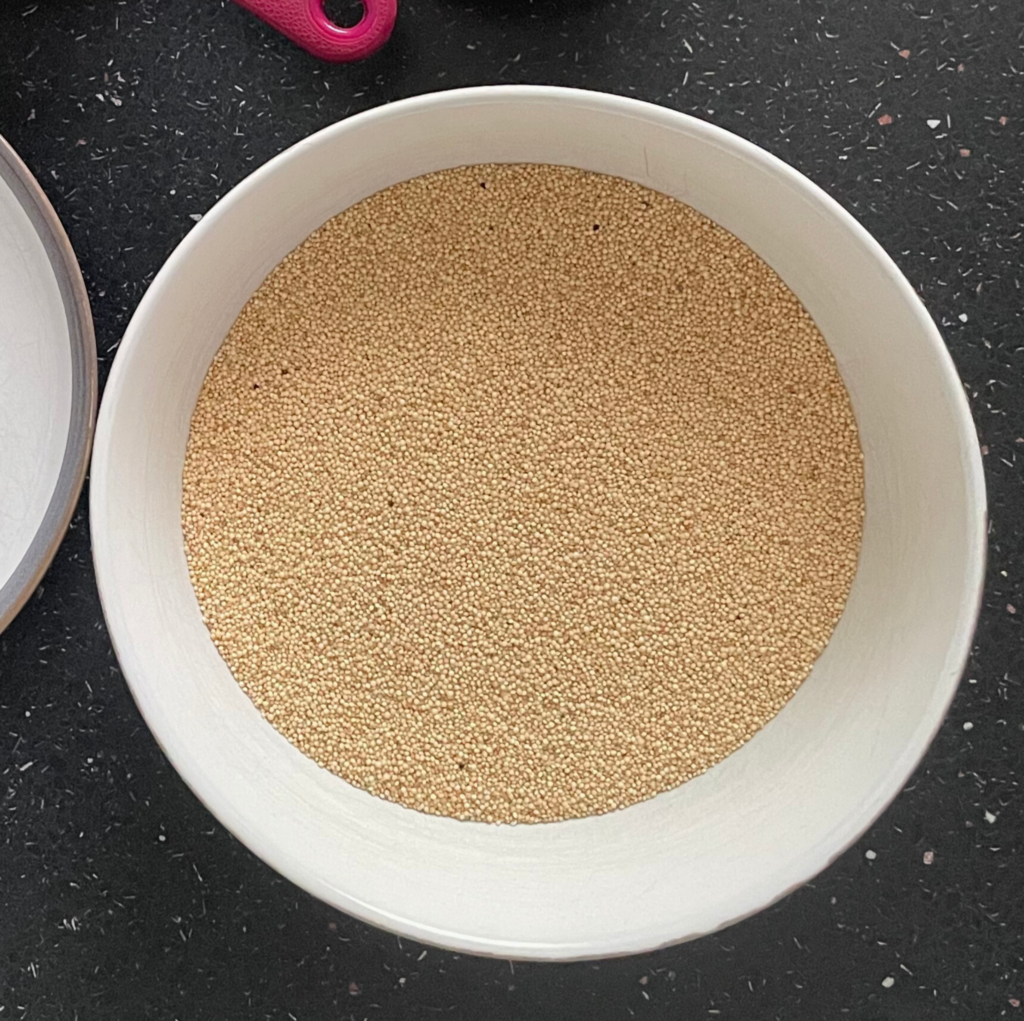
690	861
47	383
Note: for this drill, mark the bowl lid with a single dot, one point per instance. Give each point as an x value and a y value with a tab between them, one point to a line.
47	383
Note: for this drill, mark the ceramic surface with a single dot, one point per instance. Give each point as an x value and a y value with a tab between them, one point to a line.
47	383
690	861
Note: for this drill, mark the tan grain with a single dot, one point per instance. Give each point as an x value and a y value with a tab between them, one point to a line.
517	494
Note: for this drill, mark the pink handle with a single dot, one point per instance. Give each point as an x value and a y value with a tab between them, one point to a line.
304	22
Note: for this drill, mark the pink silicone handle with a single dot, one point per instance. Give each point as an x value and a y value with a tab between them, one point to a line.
304	22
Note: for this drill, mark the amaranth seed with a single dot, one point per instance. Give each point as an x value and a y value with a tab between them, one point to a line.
518	493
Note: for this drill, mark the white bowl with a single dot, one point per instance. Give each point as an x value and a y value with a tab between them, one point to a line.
47	383
690	861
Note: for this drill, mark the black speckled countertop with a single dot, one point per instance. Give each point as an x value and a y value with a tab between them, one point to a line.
121	897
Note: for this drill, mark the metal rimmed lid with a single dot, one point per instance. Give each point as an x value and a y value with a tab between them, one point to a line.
48	383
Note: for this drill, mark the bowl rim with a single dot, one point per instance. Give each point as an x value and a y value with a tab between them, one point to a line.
15	591
975	500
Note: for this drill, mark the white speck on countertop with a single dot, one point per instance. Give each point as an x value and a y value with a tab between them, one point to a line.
989	817
870	855
962	317
929	857
888	982
968	725
934	122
